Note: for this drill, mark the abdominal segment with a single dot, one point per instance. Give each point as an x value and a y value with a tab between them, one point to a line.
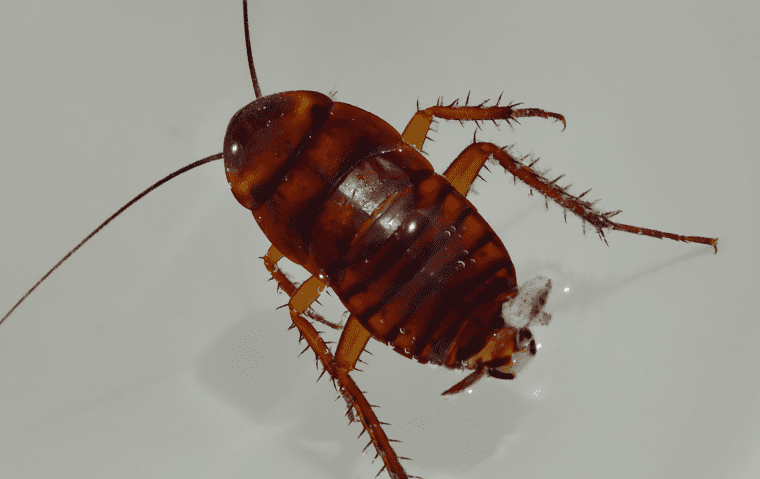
413	260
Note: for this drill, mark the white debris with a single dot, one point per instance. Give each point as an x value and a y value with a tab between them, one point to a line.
527	308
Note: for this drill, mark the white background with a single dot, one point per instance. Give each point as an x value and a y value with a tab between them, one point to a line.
156	351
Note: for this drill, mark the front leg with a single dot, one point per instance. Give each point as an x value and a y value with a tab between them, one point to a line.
351	345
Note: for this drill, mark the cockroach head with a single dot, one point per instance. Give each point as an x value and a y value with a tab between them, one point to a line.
264	135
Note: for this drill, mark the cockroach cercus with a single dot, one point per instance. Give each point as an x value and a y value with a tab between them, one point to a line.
340	192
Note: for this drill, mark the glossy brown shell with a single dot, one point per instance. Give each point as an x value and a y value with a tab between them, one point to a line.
337	190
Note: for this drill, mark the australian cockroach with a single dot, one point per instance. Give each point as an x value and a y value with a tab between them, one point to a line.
341	193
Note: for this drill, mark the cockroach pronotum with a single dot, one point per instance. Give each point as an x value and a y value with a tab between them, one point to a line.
341	193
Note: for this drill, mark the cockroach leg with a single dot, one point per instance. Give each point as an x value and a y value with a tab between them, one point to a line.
311	314
271	259
471	378
464	169
416	131
350	347
352	342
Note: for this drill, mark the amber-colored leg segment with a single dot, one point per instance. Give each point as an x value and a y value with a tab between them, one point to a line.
301	299
464	169
353	339
272	257
462	172
417	129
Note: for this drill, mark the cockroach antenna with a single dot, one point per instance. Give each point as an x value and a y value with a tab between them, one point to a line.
218	156
254	78
121	210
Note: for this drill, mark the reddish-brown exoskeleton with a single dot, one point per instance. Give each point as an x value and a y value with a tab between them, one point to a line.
340	192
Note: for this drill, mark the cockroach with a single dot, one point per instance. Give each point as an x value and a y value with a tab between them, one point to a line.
340	192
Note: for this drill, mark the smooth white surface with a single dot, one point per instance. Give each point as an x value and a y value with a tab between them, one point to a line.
157	351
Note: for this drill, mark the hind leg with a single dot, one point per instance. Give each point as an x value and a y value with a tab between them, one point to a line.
464	169
351	345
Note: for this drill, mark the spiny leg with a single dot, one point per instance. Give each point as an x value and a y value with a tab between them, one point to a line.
301	299
273	256
352	342
416	131
464	169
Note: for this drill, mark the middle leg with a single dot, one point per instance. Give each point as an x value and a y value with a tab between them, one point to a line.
416	131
